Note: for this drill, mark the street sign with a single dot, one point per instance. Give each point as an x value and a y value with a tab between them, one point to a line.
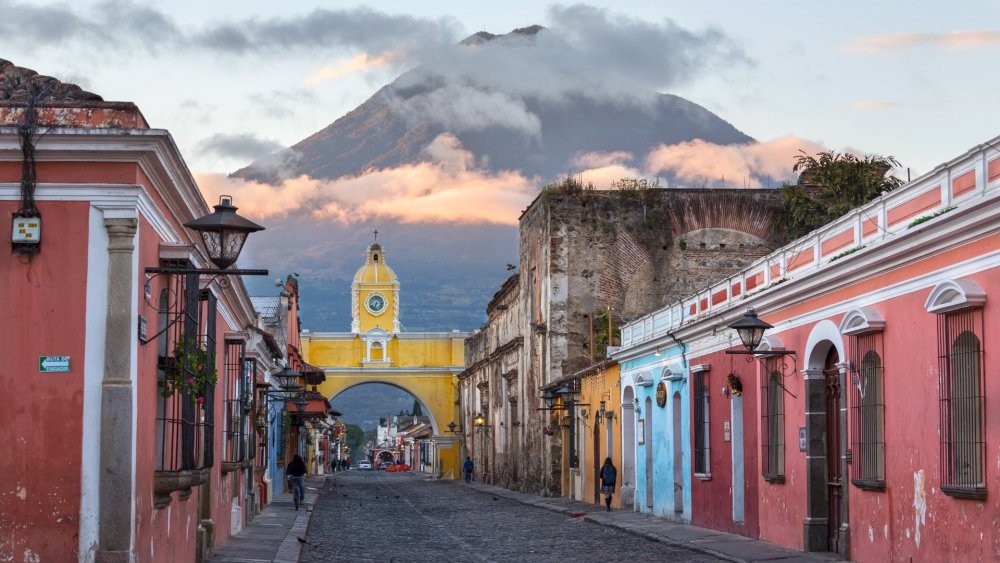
53	364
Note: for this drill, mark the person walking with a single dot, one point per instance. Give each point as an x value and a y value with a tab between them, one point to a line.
467	468
609	475
296	472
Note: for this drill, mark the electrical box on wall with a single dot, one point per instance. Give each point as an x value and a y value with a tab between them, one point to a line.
27	234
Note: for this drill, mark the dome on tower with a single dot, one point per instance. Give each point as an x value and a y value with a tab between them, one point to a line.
375	270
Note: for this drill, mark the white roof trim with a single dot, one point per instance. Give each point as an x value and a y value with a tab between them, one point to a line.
861	320
952	295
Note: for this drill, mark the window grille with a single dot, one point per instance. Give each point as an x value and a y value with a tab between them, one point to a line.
183	427
236	403
867	403
701	435
262	422
772	417
960	385
574	450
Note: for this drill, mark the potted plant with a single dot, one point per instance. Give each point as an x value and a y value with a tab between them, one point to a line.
189	371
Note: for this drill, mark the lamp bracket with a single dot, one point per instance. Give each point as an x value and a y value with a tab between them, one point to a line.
782	368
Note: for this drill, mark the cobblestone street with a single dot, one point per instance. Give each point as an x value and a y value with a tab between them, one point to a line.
376	516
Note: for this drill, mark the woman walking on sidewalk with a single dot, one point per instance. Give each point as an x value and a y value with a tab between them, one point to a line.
608	477
296	472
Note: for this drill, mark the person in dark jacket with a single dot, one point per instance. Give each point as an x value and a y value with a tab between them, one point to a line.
467	469
609	475
296	472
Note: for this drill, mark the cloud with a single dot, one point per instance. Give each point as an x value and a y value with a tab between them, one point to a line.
875	104
598	159
460	108
447	189
357	63
952	40
243	146
698	163
283	103
585	50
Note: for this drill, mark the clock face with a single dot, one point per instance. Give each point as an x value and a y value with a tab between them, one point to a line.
376	303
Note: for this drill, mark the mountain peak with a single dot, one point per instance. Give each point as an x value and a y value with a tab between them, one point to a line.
481	37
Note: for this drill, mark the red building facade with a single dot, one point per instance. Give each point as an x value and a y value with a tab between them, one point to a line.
104	466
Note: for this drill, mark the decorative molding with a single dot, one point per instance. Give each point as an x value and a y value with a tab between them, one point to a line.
952	295
644	379
861	320
697	368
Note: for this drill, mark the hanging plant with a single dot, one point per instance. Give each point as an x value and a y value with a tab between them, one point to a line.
735	385
190	371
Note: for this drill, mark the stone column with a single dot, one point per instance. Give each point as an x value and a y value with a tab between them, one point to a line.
116	494
815	525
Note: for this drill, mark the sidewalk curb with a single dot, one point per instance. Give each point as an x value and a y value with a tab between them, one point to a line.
290	548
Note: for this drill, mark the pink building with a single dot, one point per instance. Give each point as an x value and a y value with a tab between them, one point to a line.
99	464
878	438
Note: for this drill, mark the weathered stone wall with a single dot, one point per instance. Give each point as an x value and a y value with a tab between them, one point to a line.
491	384
634	252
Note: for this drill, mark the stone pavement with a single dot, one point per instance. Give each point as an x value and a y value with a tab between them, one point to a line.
730	547
272	536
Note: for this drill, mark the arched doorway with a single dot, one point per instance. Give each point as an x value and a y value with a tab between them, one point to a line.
825	527
628	448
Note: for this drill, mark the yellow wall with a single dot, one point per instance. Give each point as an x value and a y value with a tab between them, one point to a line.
602	385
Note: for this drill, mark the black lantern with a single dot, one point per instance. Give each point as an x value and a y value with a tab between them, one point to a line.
300	403
224	232
480	420
454	428
750	330
288	379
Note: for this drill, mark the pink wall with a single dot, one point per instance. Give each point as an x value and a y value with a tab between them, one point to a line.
907	521
41	421
712	500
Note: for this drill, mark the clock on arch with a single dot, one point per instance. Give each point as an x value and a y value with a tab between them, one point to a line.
375	303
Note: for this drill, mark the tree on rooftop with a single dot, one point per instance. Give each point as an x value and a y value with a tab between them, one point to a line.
830	185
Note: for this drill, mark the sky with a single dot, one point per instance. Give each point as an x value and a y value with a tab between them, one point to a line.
235	81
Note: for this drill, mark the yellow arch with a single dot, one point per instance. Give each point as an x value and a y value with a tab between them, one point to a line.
424	365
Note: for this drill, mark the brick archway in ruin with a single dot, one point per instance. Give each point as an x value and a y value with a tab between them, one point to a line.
753	212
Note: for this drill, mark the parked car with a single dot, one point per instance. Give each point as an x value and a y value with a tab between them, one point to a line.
366	465
384	465
398	467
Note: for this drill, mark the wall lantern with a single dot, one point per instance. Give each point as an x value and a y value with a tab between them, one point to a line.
454	428
287	379
750	329
224	232
480	420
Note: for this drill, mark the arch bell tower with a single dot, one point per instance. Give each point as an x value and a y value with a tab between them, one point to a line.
375	305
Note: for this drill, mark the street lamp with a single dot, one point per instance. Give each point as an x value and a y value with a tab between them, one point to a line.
223	232
750	329
480	420
454	428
